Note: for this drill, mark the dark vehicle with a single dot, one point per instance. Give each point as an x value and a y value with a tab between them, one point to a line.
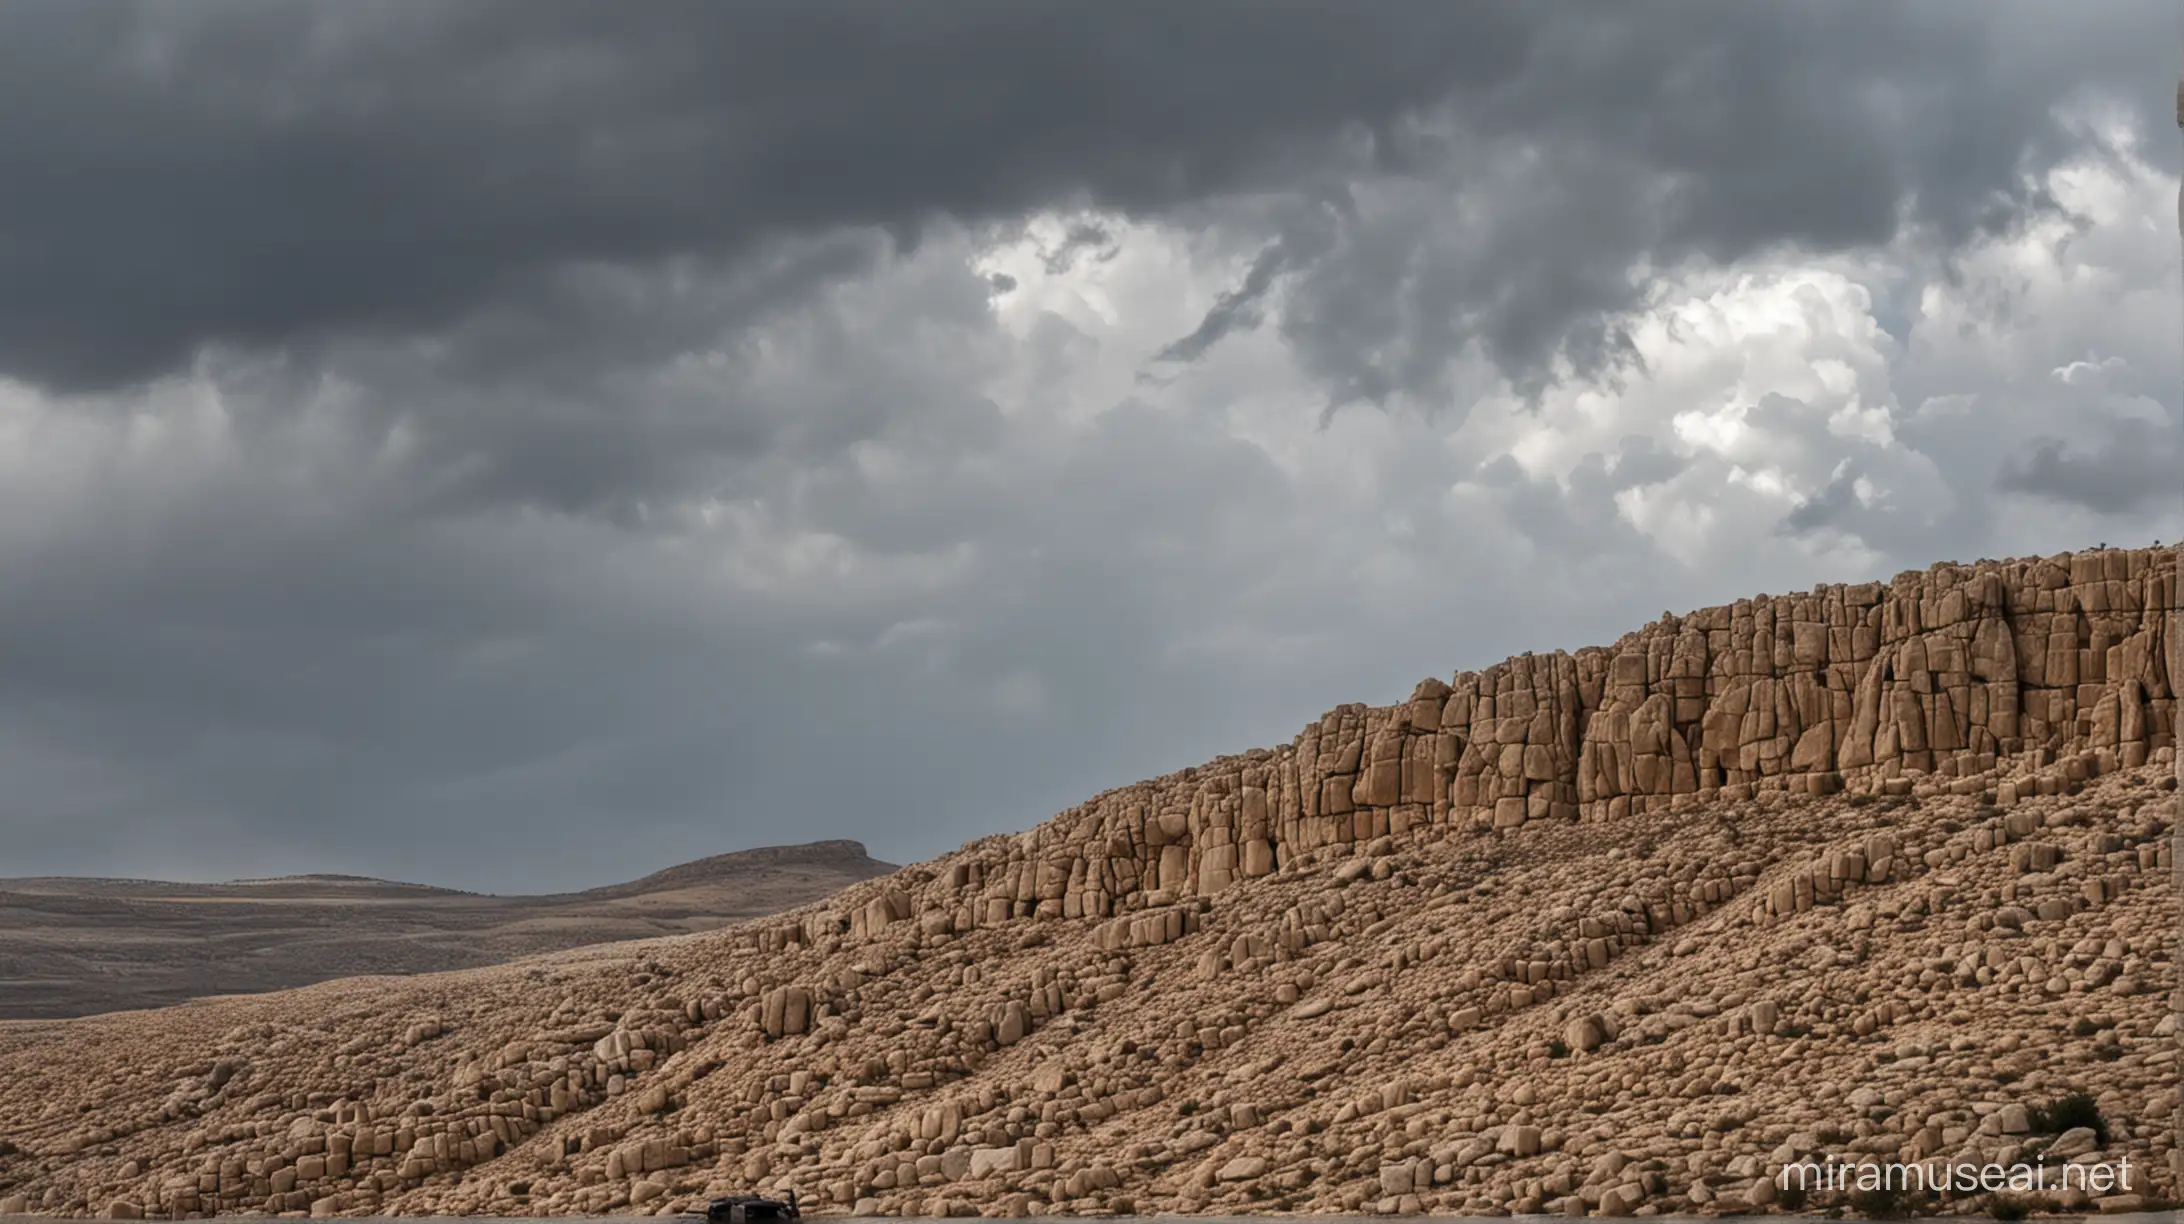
751	1209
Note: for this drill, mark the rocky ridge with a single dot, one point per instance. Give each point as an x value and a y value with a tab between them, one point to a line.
1880	872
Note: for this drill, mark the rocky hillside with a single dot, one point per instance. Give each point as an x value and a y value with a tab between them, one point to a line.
1880	872
72	947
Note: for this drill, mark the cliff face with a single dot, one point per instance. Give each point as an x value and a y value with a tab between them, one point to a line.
2014	677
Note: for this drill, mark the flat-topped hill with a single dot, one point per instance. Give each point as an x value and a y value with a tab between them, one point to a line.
72	946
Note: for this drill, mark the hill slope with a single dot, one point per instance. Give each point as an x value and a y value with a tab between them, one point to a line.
71	947
1875	872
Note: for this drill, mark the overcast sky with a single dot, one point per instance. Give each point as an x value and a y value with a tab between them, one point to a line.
521	445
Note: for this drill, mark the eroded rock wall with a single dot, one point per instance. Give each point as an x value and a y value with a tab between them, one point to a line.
2012	677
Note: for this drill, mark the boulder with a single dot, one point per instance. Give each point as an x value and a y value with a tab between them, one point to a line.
992	1161
1243	1168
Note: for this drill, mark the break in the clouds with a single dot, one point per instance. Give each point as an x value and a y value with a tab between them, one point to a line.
519	446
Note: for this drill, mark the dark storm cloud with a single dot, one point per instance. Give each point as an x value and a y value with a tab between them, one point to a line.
574	440
1834	505
2136	465
1082	237
1239	307
255	172
1660	132
259	173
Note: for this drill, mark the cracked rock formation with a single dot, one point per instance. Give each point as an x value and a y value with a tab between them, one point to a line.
1879	873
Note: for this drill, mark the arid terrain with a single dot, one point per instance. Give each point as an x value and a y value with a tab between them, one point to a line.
72	947
1874	873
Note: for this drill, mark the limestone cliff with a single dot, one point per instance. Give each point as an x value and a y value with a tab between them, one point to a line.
2014	677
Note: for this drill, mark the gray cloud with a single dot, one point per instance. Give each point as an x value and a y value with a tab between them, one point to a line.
1685	131
1239	307
520	445
378	168
1835	505
257	173
1082	238
2135	466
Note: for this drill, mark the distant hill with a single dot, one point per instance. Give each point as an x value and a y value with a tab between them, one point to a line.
766	862
74	946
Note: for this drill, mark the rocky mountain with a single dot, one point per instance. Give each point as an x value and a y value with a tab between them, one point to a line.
71	947
1880	872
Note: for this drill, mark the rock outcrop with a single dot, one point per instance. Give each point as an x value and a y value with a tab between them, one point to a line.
1880	872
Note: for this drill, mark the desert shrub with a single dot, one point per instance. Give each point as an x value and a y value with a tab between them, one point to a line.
2068	1113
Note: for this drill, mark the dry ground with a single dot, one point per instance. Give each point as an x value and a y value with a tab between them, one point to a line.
71	947
1636	1016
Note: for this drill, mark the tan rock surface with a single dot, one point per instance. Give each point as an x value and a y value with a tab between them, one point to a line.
1877	872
